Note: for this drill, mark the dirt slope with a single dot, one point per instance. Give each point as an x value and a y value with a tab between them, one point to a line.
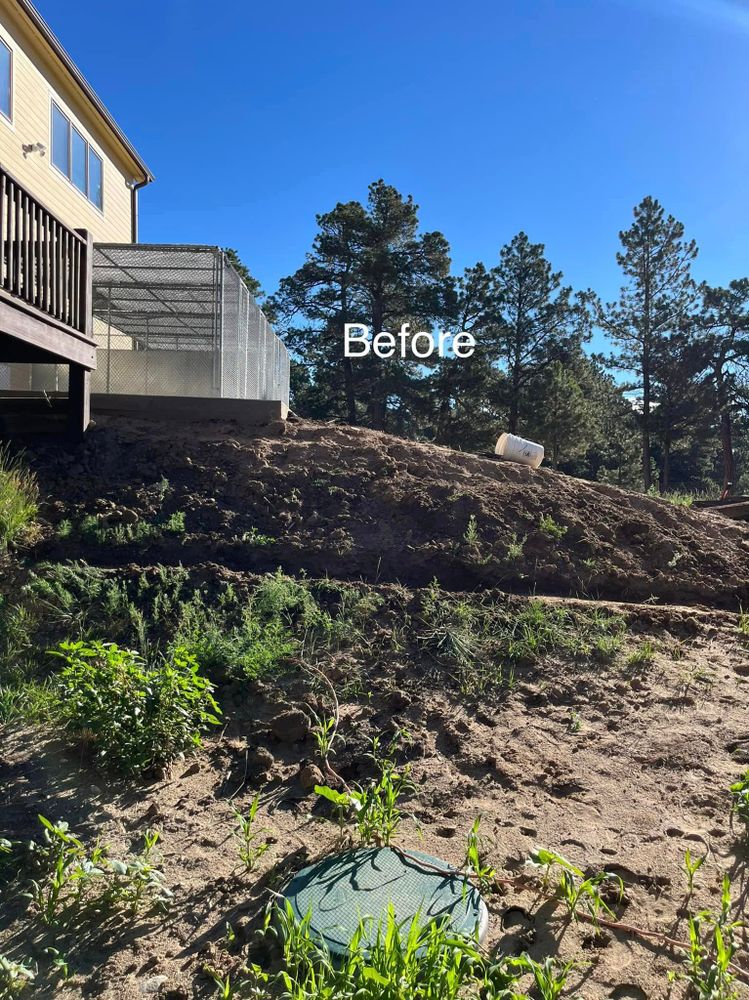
357	504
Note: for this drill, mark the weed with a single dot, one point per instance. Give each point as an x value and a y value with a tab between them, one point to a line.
255	537
474	863
15	977
740	799
691	867
643	655
707	963
63	877
471	535
743	624
175	523
553	529
19	498
326	735
515	547
375	807
136	717
64	529
573	887
251	847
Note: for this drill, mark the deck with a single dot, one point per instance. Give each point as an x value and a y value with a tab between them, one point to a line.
45	293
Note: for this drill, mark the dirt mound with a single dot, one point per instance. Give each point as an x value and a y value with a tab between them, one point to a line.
358	504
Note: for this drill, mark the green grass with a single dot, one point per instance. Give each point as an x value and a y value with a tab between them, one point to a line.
483	644
19	498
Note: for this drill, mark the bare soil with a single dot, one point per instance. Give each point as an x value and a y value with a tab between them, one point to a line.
616	766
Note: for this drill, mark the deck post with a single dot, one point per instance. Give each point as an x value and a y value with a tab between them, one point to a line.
79	400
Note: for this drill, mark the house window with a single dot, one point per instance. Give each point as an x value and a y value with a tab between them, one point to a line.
73	156
6	80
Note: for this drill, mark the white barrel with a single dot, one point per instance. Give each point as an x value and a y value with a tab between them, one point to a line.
517	449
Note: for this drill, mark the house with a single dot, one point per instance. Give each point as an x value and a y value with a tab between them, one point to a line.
68	176
84	307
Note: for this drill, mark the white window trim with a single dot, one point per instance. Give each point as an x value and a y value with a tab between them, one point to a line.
8	119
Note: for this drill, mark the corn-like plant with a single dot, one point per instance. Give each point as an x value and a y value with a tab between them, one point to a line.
572	886
63	878
374	808
251	846
707	963
326	736
691	867
474	863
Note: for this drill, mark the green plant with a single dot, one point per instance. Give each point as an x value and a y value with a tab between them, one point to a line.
19	498
15	977
548	526
515	547
474	864
388	962
691	867
251	847
326	735
62	877
572	886
708	960
374	807
255	537
471	534
740	798
134	716
175	523
643	655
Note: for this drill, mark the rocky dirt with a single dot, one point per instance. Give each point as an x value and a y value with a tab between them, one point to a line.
618	766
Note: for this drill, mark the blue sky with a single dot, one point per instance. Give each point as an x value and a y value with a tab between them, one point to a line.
553	117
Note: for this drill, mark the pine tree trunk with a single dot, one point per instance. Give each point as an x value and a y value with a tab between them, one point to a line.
348	386
726	430
665	479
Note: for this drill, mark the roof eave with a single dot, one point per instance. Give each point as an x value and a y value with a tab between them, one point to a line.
54	43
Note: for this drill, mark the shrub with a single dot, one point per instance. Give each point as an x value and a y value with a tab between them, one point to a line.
19	496
136	717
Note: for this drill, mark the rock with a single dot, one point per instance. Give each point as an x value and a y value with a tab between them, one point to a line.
151	985
291	726
128	516
260	761
309	776
192	769
398	700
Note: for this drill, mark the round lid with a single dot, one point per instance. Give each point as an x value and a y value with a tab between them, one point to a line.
356	886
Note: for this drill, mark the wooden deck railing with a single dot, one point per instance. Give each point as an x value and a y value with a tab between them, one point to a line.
42	262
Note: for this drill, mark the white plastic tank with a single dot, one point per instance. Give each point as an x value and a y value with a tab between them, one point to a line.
516	449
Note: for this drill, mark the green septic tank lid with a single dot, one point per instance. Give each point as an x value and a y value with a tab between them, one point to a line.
360	885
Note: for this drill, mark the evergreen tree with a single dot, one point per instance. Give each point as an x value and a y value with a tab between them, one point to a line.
723	330
532	318
655	302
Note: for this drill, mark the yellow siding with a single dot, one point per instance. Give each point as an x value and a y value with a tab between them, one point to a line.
37	79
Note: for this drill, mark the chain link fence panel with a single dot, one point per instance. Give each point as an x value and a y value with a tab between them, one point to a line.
173	320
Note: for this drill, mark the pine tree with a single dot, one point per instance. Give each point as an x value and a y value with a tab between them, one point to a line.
655	302
723	331
532	318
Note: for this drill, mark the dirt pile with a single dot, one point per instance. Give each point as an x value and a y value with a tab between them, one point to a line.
358	504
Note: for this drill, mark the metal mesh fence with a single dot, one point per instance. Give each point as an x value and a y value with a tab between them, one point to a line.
174	321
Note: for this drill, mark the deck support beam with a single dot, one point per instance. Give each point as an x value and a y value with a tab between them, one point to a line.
79	400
